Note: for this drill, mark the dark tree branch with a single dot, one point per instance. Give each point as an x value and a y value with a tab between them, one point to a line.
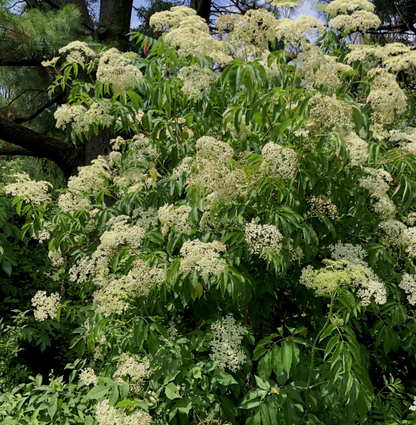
10	58
19	95
64	154
47	105
16	150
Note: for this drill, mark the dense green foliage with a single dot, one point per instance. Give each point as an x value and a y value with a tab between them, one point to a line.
247	268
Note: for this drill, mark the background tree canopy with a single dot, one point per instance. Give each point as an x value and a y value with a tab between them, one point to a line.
241	252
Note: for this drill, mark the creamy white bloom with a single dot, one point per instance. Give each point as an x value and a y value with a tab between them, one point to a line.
323	206
263	239
78	52
226	342
131	371
65	115
191	35
413	406
196	81
45	305
377	183
394	56
369	285
204	257
170	19
344	6
294	31
328	113
386	97
56	258
394	231
170	216
278	161
51	62
360	20
247	36
354	254
410	236
285	3
357	148
31	191
88	376
116	70
213	149
109	415
408	284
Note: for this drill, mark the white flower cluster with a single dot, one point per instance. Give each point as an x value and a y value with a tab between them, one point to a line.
51	62
247	35
196	81
293	31
369	284
322	205
320	70
109	415
376	183
136	168
285	3
31	191
114	295
120	234
210	171
356	15
263	239
78	51
90	179
116	70
203	257
145	219
386	97
214	150
44	234
226	342
411	219
354	254
394	232
170	216
327	113
359	20
408	284
339	273
395	56
407	137
372	288
345	6
329	278
190	33
413	406
65	115
136	372
45	306
56	258
410	237
82	118
170	19
88	376
357	148
278	161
